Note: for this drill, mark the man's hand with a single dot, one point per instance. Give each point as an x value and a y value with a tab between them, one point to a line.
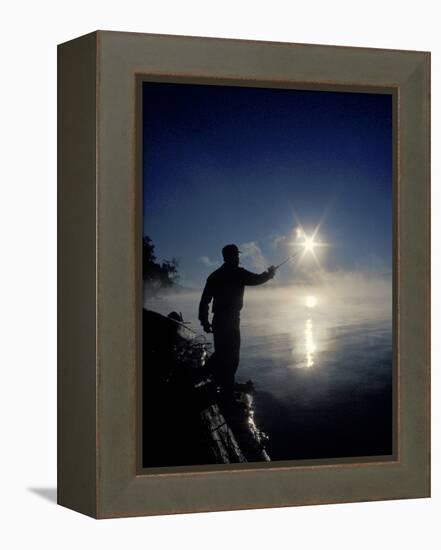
207	327
271	271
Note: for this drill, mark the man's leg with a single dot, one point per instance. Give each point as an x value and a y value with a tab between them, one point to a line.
226	333
220	345
234	350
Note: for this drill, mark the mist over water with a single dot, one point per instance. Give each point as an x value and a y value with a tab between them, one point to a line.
320	357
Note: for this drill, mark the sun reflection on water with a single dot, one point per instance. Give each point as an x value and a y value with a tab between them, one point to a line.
310	346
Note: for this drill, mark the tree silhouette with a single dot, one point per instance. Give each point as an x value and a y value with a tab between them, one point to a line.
157	275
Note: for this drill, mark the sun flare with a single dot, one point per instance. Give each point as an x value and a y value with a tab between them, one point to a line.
309	244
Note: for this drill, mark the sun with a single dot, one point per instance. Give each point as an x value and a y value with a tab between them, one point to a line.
309	244
311	301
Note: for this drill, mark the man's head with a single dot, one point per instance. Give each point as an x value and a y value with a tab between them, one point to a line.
230	253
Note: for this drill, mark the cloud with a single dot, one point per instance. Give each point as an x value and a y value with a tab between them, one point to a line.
207	261
278	240
252	254
297	234
300	233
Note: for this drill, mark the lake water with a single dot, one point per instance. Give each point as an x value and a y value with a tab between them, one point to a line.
321	361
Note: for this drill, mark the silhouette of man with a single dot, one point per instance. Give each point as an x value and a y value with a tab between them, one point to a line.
225	287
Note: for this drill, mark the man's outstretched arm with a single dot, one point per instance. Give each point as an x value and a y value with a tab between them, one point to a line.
254	279
204	305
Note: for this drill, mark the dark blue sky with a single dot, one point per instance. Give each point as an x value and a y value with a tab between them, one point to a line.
233	164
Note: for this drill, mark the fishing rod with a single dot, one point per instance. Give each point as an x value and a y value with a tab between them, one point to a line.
276	267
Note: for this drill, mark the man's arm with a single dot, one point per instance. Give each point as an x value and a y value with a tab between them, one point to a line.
253	279
204	304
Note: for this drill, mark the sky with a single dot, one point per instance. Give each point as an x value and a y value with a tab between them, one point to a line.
243	165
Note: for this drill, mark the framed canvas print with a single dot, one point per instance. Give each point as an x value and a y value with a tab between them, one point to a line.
244	261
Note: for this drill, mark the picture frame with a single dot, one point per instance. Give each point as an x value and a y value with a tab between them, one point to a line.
100	285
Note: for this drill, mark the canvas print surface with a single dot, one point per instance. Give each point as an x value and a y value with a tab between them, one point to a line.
267	250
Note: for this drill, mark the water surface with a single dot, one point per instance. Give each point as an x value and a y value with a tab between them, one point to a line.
321	361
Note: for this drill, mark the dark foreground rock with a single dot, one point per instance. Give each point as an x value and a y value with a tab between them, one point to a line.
185	421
